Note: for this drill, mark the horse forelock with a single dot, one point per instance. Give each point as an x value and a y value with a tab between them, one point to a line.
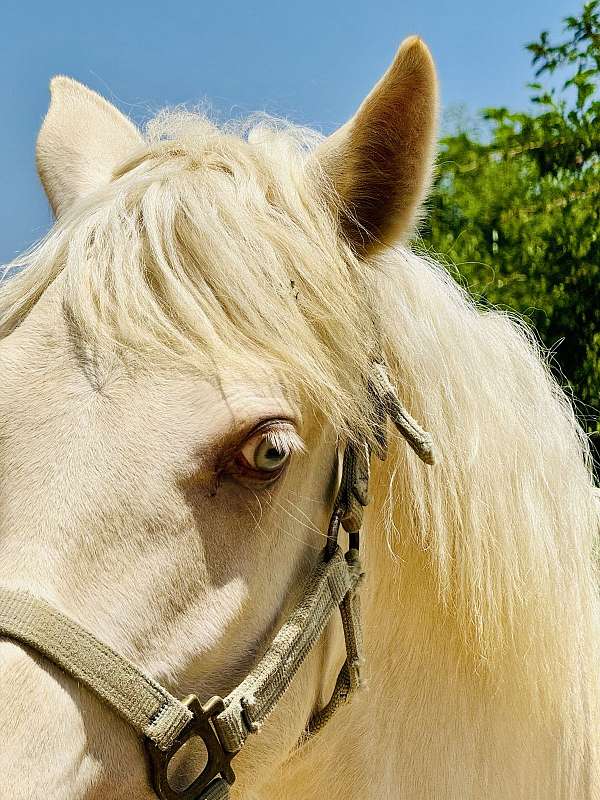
216	245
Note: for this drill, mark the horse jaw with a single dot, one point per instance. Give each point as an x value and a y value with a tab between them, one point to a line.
195	597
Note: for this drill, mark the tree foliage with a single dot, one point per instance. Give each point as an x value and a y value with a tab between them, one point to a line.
518	211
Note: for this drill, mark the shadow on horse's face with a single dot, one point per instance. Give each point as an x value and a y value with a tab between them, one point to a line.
166	514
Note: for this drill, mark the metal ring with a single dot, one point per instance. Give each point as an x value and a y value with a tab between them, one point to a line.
218	759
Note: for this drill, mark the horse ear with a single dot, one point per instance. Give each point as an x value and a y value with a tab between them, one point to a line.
381	161
82	139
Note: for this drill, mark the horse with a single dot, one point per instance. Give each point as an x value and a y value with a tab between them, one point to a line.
182	358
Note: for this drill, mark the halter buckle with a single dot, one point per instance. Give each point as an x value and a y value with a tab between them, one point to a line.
218	760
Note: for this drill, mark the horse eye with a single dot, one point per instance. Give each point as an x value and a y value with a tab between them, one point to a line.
264	453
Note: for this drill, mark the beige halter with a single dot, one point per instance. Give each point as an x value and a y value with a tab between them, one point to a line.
164	722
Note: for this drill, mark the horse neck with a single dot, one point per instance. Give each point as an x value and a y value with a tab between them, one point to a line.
433	720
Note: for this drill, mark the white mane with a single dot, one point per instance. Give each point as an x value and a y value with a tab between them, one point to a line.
220	246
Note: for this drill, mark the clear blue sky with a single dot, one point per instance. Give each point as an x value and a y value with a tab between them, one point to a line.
312	62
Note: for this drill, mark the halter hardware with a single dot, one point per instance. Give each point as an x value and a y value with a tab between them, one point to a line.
218	760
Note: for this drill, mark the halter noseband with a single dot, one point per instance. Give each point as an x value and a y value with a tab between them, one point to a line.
165	723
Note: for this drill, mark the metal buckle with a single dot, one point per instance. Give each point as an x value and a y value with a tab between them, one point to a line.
218	760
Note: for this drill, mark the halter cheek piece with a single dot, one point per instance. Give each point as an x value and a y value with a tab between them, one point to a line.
166	723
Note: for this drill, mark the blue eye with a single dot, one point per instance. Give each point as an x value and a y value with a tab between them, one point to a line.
263	453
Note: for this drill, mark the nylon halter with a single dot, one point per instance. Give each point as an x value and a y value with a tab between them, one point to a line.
165	723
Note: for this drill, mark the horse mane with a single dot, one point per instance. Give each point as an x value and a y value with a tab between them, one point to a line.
221	244
508	519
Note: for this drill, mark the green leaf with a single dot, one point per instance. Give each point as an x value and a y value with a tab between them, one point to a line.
518	210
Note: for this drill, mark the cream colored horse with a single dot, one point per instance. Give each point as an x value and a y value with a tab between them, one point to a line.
178	360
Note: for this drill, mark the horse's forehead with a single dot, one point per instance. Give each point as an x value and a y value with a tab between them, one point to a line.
51	384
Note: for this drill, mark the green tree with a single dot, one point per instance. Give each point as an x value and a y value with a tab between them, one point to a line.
519	212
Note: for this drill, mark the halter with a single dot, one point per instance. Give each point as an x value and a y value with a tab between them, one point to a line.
165	723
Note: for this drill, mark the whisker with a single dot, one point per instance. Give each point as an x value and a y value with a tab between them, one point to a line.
307	497
257	521
303	513
301	522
